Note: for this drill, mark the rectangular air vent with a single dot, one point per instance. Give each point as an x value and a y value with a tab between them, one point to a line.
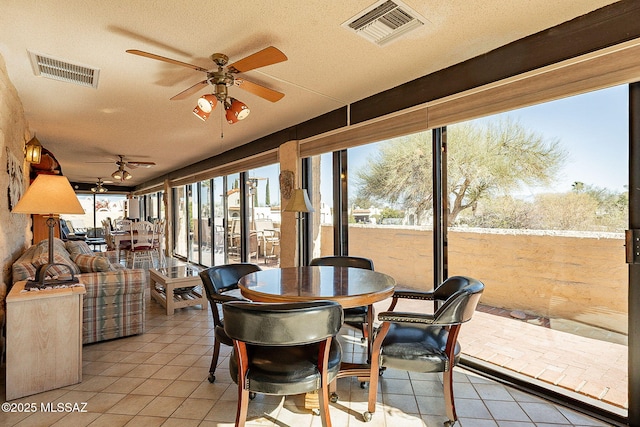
385	21
57	69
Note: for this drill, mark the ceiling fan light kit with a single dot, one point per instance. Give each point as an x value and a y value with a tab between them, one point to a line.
221	79
121	175
99	187
206	104
236	110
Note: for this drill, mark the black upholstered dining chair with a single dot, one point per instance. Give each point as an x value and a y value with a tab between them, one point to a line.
420	342
357	317
283	349
216	281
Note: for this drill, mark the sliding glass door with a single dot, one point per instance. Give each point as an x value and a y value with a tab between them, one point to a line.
538	205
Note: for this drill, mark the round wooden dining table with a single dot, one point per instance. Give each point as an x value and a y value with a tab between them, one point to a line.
351	287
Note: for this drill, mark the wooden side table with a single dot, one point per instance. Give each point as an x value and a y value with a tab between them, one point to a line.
177	287
44	339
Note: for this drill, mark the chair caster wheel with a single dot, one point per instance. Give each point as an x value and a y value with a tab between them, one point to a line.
315	412
252	395
212	378
363	385
363	340
449	423
333	398
380	372
366	417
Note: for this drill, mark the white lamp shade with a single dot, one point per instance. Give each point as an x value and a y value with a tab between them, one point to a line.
49	194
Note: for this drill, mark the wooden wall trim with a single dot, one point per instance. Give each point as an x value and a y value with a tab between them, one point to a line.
404	123
602	28
598	70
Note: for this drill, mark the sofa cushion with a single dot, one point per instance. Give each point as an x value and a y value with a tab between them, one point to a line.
60	256
22	271
75	247
90	263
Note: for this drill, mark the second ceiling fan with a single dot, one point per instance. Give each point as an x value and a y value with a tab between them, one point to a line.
121	174
221	79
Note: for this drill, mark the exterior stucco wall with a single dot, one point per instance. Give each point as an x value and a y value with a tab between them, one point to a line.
576	276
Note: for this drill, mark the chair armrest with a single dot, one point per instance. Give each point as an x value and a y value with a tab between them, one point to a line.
221	299
426	296
391	316
230	295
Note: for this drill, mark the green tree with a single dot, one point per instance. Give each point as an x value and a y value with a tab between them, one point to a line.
565	211
483	161
399	174
267	197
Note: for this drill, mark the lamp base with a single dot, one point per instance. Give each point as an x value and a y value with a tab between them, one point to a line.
41	282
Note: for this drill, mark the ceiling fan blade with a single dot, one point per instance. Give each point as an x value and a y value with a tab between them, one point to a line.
164	59
266	56
190	91
261	91
141	164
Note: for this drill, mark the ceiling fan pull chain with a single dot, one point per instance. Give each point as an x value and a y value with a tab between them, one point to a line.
221	128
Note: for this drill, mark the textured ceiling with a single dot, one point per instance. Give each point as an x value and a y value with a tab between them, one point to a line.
328	67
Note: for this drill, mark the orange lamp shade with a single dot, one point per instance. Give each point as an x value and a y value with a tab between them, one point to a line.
206	104
236	111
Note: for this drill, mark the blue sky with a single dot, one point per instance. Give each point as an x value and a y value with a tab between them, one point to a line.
593	128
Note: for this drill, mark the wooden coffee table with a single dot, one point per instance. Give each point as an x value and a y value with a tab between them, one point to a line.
177	287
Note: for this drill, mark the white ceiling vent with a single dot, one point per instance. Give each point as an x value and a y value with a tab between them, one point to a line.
385	21
58	69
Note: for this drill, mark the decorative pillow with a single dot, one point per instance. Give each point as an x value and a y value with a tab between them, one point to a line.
23	271
76	247
91	263
58	258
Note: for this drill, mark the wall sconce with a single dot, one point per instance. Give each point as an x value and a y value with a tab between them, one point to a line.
33	151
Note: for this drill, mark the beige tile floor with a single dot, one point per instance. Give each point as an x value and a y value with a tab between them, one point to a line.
160	379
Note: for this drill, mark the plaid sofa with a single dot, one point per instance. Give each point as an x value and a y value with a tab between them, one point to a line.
114	305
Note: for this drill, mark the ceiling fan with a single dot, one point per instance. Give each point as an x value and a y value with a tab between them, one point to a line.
99	188
222	78
121	174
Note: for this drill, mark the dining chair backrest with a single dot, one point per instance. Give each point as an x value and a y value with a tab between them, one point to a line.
223	278
123	224
307	358
460	296
282	324
159	226
142	235
343	261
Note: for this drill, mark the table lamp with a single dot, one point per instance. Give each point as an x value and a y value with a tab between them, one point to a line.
49	195
299	203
